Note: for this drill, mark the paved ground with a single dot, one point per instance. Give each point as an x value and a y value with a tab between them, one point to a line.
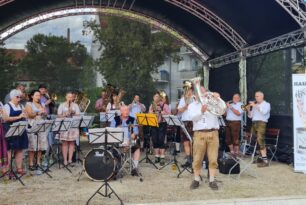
159	187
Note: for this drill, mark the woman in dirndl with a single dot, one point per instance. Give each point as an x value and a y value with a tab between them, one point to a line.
68	109
13	112
3	150
36	112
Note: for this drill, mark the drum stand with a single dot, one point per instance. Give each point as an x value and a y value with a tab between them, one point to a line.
105	184
108	191
130	162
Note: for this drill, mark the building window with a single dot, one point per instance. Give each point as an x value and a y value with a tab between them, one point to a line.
164	75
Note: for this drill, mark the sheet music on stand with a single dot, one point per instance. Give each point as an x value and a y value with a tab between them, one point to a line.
37	127
87	121
98	135
16	129
147	119
109	116
175	121
61	124
76	122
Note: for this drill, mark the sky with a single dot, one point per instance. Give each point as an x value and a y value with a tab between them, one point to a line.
56	27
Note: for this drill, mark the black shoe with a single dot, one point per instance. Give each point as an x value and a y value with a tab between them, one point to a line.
263	164
135	172
194	184
213	185
32	168
187	164
162	162
259	160
157	160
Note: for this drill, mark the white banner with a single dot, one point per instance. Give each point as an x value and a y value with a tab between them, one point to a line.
299	121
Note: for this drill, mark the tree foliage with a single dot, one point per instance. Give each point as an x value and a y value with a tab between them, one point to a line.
61	64
131	53
7	69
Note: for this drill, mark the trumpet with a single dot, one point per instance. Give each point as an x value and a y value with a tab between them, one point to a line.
247	106
156	108
54	97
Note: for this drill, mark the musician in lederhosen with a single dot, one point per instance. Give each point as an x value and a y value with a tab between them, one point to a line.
68	109
233	124
128	123
183	105
35	112
159	107
259	112
205	140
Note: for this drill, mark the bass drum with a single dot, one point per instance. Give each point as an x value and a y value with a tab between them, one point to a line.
100	164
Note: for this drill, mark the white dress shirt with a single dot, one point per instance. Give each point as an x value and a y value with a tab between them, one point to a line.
260	112
231	116
201	120
185	116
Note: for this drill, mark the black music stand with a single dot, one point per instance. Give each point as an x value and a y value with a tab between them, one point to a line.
101	135
109	116
191	154
76	123
151	121
40	127
172	120
16	130
86	122
60	125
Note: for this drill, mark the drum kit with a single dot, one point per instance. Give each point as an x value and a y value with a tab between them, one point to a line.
107	161
100	164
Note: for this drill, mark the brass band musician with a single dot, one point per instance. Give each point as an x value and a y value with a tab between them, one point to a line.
100	106
233	127
205	139
183	105
259	112
68	109
159	107
130	135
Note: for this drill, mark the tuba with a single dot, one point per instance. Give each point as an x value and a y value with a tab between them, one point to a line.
215	105
119	101
83	101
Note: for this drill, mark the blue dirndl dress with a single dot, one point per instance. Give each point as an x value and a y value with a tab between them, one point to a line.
16	142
